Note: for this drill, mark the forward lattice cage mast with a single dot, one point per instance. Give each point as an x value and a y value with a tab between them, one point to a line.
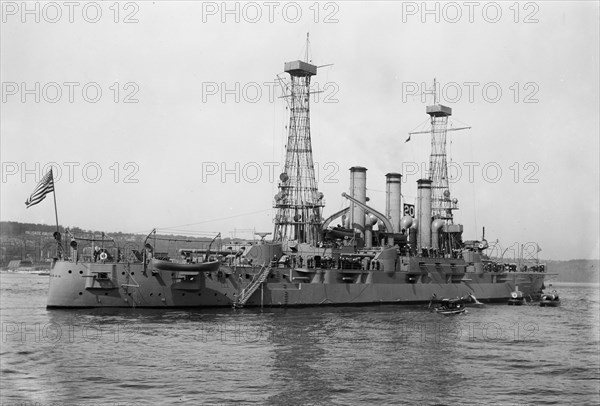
298	203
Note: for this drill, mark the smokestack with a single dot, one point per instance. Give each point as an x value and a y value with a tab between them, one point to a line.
424	214
358	190
393	209
435	233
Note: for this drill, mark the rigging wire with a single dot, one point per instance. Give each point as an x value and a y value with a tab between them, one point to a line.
474	200
426	124
421	126
217	219
185	232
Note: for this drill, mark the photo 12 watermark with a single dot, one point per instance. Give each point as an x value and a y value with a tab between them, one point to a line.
453	12
253	12
54	333
473	92
407	332
254	172
527	251
71	172
238	333
69	92
255	92
56	12
437	332
489	172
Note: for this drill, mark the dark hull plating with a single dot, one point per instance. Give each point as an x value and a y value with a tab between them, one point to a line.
93	284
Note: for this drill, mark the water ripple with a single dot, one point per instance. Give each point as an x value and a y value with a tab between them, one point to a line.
320	356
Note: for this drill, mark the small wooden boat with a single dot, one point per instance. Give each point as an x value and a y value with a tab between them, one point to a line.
550	299
449	307
163	265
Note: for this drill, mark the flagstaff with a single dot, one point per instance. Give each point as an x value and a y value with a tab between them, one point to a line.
58	236
54	195
46	186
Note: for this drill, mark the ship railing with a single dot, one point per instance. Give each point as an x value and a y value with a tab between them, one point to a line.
194	250
93	248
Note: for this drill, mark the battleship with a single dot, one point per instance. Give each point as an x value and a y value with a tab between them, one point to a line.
400	255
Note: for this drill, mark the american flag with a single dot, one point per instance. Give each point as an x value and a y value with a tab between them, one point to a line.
45	186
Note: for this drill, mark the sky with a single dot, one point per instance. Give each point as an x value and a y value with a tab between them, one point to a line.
168	114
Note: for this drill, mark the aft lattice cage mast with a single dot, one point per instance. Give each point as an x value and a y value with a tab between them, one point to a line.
298	203
441	202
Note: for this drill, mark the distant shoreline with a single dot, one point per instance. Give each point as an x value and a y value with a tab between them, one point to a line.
28	240
574	284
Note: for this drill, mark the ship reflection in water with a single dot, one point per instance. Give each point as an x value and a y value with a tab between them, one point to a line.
329	355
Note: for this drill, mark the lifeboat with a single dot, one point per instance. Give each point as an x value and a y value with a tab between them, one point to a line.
162	265
550	299
449	307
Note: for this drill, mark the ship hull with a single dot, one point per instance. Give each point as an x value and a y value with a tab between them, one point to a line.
85	284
